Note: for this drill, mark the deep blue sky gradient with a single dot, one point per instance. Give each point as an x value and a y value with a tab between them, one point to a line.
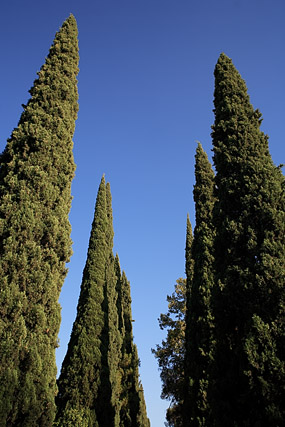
145	97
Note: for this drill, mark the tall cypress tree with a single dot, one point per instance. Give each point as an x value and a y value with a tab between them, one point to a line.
133	409
98	384
200	318
84	377
249	262
112	320
189	270
36	170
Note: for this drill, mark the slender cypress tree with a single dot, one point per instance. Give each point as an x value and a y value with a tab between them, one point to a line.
36	170
249	304
112	321
200	328
98	384
84	374
133	409
189	269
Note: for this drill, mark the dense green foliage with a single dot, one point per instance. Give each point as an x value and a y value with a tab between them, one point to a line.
36	170
199	327
84	383
249	375
170	354
222	362
234	367
189	270
132	404
99	380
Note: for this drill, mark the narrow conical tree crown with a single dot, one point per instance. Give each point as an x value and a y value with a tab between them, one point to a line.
36	170
98	384
80	380
200	319
249	261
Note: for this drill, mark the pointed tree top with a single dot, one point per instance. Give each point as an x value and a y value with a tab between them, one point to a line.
117	260
102	185
71	17
124	277
202	161
188	225
229	83
224	58
199	148
199	145
71	21
69	26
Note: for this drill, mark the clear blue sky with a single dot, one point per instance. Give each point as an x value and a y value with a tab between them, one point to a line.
145	98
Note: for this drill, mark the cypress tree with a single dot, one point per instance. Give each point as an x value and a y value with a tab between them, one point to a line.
200	318
133	409
189	270
36	170
249	376
112	321
84	376
98	384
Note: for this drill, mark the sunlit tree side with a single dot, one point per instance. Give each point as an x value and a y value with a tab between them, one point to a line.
36	170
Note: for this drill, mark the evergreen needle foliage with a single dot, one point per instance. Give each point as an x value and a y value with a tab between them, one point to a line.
84	384
249	375
36	170
189	270
133	409
98	384
199	328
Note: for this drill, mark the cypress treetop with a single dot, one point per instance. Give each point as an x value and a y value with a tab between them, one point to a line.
36	170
